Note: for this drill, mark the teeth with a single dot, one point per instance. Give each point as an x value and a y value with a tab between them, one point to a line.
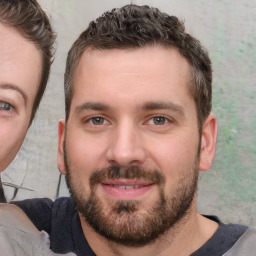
127	187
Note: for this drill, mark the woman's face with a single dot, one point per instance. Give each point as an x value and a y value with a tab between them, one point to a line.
20	73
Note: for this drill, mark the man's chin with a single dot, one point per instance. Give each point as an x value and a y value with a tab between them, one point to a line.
127	222
127	227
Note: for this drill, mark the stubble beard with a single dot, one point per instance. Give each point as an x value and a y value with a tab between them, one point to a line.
123	221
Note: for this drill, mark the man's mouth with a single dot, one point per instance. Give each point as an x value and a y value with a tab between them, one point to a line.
126	189
132	183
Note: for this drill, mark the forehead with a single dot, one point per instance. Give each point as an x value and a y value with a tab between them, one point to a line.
20	62
153	71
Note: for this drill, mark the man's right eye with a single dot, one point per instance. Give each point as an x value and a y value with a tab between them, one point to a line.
97	120
5	106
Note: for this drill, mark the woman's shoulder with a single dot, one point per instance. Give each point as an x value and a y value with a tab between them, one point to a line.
13	217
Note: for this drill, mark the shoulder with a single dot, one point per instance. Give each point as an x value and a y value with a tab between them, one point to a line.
63	211
234	231
223	239
19	236
245	245
17	242
34	204
227	234
41	211
63	206
38	210
13	216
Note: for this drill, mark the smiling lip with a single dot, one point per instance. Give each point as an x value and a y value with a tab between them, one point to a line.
126	189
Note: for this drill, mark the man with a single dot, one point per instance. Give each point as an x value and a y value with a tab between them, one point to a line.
138	129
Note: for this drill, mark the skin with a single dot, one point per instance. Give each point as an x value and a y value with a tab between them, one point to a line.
20	72
125	132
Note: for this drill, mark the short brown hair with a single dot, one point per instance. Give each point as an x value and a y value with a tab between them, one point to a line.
135	26
31	21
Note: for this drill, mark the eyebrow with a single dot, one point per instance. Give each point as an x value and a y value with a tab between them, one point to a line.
146	107
164	105
92	106
13	87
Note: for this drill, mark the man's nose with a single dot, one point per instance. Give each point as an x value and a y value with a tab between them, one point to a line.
126	146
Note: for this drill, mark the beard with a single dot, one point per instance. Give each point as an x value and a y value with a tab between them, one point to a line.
132	222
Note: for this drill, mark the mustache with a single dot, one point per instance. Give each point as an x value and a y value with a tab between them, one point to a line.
131	172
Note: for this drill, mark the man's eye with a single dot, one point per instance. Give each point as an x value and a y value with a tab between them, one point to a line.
158	120
5	106
97	120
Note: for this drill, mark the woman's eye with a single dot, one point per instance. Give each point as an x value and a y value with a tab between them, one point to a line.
98	120
158	120
5	106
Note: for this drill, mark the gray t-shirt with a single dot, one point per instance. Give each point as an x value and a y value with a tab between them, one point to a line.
15	242
19	236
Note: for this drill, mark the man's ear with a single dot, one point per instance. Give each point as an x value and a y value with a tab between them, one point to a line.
208	142
61	142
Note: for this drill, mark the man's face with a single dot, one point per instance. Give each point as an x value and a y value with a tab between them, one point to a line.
20	72
131	143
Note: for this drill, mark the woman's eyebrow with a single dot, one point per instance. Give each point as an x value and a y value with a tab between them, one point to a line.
13	87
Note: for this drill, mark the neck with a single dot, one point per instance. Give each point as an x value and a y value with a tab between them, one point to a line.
192	231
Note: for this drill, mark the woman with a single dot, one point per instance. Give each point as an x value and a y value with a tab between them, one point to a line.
26	45
26	50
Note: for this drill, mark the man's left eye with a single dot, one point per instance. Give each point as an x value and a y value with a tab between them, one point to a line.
158	120
97	120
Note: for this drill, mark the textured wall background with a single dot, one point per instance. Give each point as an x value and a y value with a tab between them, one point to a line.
228	30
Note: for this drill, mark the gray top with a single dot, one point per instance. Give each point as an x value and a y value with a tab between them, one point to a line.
18	236
246	244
